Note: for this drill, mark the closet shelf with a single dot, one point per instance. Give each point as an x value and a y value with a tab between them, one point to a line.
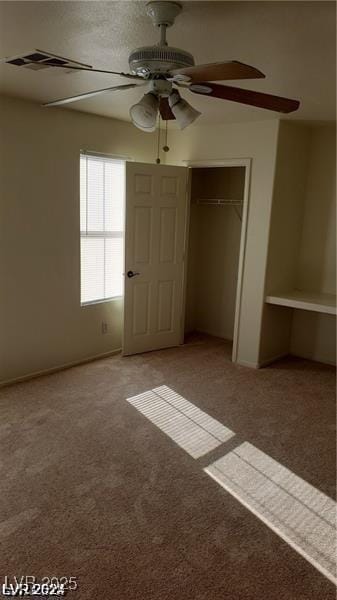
219	201
317	302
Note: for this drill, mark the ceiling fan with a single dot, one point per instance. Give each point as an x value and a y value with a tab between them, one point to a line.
164	69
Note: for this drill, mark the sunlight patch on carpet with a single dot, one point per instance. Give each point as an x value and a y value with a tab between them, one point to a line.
300	514
188	426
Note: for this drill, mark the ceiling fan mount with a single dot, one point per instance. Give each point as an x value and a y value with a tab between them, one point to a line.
163	12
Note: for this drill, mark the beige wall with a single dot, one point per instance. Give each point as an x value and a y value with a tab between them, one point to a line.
258	141
313	335
284	235
302	243
42	324
317	256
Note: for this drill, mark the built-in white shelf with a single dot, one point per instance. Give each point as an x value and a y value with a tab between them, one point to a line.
317	302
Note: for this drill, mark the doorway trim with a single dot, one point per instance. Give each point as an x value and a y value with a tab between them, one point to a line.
233	162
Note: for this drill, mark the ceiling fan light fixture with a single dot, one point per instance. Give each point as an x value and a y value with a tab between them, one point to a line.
144	113
184	113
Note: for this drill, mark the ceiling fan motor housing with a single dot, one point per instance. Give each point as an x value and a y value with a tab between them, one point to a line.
150	60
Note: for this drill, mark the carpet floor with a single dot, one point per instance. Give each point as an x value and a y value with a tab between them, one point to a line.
93	488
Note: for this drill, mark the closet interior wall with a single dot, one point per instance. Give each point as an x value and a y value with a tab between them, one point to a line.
214	244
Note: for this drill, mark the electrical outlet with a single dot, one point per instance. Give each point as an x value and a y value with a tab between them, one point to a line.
104	327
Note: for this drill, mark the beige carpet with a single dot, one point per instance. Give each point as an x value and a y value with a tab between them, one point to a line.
93	488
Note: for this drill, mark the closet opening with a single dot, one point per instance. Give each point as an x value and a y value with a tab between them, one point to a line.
217	232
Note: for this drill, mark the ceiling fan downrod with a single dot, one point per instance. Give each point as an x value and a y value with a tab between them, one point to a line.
163	41
163	14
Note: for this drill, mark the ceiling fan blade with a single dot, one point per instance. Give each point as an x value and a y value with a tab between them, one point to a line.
67	67
259	99
91	94
230	69
165	110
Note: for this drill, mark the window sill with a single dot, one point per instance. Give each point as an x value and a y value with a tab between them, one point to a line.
103	301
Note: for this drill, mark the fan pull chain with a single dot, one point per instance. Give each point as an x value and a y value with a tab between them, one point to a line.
158	144
166	148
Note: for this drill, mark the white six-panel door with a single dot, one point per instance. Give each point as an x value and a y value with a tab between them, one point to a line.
155	231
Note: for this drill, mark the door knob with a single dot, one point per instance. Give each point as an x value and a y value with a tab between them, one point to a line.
132	274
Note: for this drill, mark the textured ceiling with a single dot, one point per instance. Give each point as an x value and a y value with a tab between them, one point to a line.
293	43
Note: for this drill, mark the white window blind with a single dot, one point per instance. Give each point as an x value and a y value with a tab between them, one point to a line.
102	227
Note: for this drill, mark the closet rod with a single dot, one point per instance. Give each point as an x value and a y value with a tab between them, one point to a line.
219	201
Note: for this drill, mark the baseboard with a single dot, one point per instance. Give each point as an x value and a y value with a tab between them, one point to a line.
245	363
331	363
62	367
263	363
268	361
211	333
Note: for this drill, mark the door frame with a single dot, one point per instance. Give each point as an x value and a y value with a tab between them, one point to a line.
230	162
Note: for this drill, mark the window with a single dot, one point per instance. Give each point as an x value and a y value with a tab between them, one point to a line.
102	229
